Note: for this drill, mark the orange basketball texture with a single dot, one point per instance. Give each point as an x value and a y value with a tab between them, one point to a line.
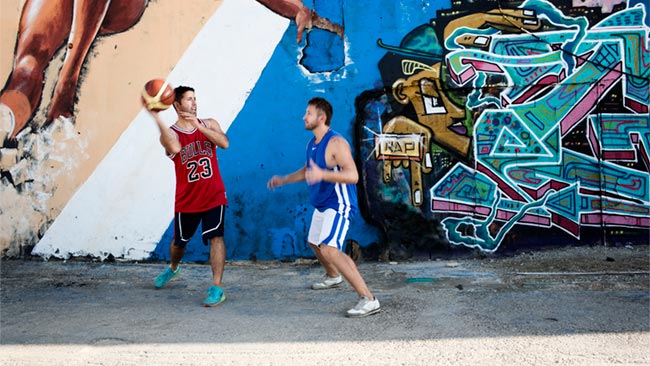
157	95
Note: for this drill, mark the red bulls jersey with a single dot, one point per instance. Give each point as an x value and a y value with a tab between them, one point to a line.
199	186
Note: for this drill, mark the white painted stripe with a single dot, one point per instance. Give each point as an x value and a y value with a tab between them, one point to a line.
127	203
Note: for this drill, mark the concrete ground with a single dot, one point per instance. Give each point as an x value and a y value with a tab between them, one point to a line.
572	306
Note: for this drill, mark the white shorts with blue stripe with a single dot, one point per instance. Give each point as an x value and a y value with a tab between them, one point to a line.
329	228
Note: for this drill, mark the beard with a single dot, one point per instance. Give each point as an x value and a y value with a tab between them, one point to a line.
309	127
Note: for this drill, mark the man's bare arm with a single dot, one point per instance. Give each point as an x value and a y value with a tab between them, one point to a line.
278	181
303	16
215	134
167	138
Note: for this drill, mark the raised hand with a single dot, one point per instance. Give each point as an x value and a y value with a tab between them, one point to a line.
314	173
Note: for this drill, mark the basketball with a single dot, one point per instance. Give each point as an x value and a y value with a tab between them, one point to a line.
157	95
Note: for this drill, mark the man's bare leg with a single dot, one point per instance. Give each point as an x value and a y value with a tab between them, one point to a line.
88	17
217	259
330	269
175	255
91	18
344	264
44	27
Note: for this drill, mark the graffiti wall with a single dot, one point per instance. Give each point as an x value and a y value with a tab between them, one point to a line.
512	123
484	125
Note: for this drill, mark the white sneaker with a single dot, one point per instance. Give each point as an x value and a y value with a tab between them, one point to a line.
364	307
328	282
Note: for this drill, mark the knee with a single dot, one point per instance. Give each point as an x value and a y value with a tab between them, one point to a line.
327	252
26	66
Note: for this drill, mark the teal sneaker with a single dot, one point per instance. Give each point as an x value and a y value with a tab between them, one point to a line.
215	297
167	275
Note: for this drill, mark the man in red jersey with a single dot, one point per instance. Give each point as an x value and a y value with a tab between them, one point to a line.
200	193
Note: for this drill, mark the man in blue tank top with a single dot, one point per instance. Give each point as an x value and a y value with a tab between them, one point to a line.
331	175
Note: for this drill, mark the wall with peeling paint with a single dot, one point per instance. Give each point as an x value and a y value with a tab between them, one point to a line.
473	125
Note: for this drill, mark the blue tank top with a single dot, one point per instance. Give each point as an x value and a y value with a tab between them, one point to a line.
323	195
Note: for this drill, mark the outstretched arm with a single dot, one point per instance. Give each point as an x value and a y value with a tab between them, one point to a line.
278	181
304	17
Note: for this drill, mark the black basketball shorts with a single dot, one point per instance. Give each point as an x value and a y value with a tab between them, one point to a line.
186	223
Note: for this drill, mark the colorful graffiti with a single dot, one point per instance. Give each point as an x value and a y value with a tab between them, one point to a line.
488	120
522	118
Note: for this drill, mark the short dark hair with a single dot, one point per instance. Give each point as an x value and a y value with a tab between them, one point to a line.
324	106
180	90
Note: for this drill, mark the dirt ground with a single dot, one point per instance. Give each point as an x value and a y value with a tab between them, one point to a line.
570	306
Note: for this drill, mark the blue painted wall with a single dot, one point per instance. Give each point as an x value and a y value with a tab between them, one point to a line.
268	136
